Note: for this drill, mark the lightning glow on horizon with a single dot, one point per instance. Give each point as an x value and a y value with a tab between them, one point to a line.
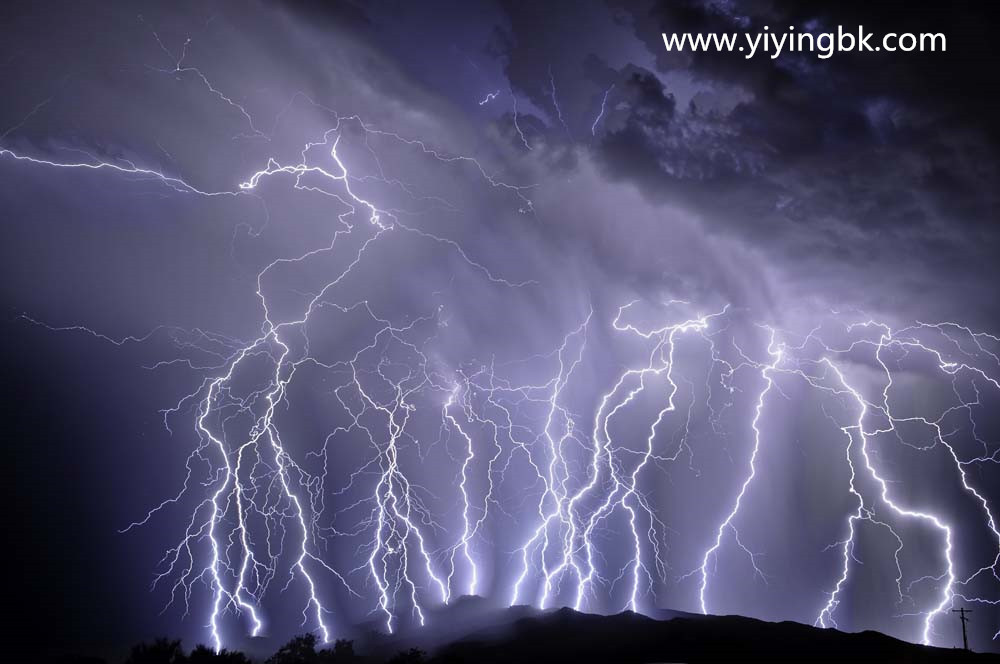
582	472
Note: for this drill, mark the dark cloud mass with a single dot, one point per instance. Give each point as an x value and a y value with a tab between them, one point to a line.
530	164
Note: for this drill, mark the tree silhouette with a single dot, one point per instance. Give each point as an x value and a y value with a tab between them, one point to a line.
160	651
411	656
342	652
300	650
205	655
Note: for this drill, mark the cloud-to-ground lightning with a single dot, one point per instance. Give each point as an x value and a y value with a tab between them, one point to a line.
582	468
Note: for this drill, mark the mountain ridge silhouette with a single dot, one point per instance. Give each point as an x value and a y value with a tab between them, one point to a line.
477	630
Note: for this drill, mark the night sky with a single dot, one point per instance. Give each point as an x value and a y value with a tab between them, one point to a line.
356	282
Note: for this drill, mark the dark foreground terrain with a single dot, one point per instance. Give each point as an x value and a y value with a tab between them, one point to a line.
471	632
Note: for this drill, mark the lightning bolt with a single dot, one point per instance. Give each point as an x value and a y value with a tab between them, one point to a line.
600	114
555	100
260	515
490	96
823	373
